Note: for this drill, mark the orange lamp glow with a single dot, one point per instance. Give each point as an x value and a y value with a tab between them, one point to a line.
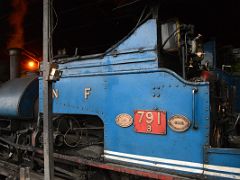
31	64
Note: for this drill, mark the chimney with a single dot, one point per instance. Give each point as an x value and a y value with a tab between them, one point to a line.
15	57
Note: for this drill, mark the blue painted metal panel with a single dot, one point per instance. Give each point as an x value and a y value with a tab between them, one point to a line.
113	94
225	161
121	62
230	158
144	37
137	52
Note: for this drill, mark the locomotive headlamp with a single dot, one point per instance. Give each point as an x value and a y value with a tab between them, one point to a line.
29	65
32	65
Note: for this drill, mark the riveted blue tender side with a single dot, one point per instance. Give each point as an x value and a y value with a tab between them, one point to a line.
113	94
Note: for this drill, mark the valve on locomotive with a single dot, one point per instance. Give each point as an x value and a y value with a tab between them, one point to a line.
180	39
192	52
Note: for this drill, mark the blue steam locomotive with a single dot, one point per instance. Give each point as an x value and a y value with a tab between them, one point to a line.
153	105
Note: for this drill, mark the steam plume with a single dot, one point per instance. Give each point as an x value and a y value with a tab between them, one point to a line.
16	22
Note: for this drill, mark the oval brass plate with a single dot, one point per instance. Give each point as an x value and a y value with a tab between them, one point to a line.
124	120
179	123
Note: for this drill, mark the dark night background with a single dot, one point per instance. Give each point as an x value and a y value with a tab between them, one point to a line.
95	25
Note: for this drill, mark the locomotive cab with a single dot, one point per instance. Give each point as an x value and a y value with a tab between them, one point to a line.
149	91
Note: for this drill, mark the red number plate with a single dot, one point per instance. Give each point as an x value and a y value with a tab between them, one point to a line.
153	122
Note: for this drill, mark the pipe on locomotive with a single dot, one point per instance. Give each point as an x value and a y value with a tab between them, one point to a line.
15	57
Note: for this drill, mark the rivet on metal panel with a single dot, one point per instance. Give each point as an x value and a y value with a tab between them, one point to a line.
114	53
154	88
158	95
153	95
140	50
158	87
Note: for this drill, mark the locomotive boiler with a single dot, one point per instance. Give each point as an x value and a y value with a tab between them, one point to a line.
153	105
